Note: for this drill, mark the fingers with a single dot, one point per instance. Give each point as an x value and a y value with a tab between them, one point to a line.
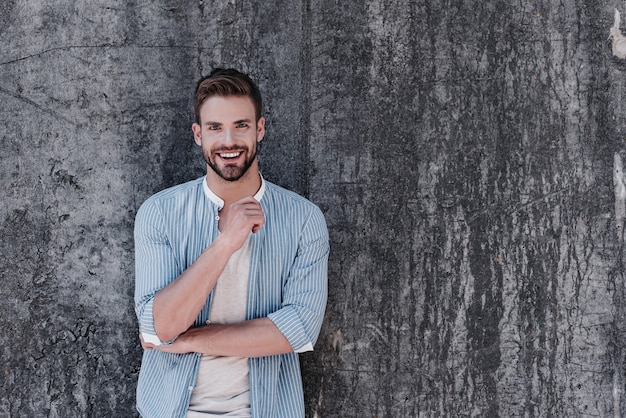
254	216
239	219
145	345
246	214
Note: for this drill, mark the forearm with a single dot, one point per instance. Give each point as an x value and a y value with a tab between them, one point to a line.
177	305
254	338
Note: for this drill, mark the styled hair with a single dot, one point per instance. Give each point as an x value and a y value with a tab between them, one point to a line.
224	83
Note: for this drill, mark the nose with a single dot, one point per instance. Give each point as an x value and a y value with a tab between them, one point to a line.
228	135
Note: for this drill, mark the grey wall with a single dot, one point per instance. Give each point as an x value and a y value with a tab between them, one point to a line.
468	157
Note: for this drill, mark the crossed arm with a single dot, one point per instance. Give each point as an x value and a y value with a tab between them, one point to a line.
254	338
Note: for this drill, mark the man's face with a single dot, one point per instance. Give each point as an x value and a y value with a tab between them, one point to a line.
228	135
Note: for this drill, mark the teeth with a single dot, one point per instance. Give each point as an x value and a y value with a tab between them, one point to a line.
230	155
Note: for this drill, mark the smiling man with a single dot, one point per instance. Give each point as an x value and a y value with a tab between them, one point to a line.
231	274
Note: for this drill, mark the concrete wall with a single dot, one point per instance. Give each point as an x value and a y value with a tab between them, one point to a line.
468	157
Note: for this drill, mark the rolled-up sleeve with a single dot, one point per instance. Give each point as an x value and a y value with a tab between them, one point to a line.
155	266
306	289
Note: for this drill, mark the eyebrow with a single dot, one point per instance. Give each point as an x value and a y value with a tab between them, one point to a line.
245	120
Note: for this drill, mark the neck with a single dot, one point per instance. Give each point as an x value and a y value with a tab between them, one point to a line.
231	191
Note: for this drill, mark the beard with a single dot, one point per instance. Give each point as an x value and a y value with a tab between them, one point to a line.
230	172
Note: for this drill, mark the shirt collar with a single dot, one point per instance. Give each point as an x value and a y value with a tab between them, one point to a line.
218	200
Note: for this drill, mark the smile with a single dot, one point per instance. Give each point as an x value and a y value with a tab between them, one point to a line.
227	155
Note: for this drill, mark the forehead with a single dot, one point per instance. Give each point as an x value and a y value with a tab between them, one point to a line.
227	109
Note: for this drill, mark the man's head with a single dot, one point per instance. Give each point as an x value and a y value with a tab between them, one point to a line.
229	124
224	83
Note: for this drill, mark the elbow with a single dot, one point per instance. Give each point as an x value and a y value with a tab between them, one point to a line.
166	325
164	332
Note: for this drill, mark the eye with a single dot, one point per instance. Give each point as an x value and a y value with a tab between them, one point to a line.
213	127
242	125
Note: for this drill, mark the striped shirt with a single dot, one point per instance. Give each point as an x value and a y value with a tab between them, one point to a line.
287	283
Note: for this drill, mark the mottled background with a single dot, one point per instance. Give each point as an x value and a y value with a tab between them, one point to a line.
468	157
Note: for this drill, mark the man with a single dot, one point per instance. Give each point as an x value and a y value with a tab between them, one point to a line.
231	274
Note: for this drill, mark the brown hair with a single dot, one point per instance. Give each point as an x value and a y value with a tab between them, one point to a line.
224	83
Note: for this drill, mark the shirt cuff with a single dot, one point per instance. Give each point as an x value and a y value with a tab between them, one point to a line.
287	321
305	348
151	339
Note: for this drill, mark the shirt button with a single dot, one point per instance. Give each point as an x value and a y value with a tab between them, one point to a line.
217	217
208	321
190	388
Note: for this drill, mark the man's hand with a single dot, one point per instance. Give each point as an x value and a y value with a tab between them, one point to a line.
243	216
145	345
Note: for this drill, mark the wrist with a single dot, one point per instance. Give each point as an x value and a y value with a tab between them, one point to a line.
224	244
229	242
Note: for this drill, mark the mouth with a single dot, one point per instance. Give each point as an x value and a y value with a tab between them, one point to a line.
229	155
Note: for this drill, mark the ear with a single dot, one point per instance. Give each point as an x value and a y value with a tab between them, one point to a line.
197	134
260	129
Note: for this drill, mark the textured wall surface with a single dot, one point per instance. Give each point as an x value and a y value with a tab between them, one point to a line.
469	158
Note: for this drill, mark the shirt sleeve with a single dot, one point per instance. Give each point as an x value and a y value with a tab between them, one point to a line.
306	289
155	266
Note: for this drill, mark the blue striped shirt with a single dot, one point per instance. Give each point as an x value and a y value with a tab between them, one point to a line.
287	284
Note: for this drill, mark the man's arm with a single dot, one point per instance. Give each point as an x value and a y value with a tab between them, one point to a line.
172	309
293	327
254	338
177	305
